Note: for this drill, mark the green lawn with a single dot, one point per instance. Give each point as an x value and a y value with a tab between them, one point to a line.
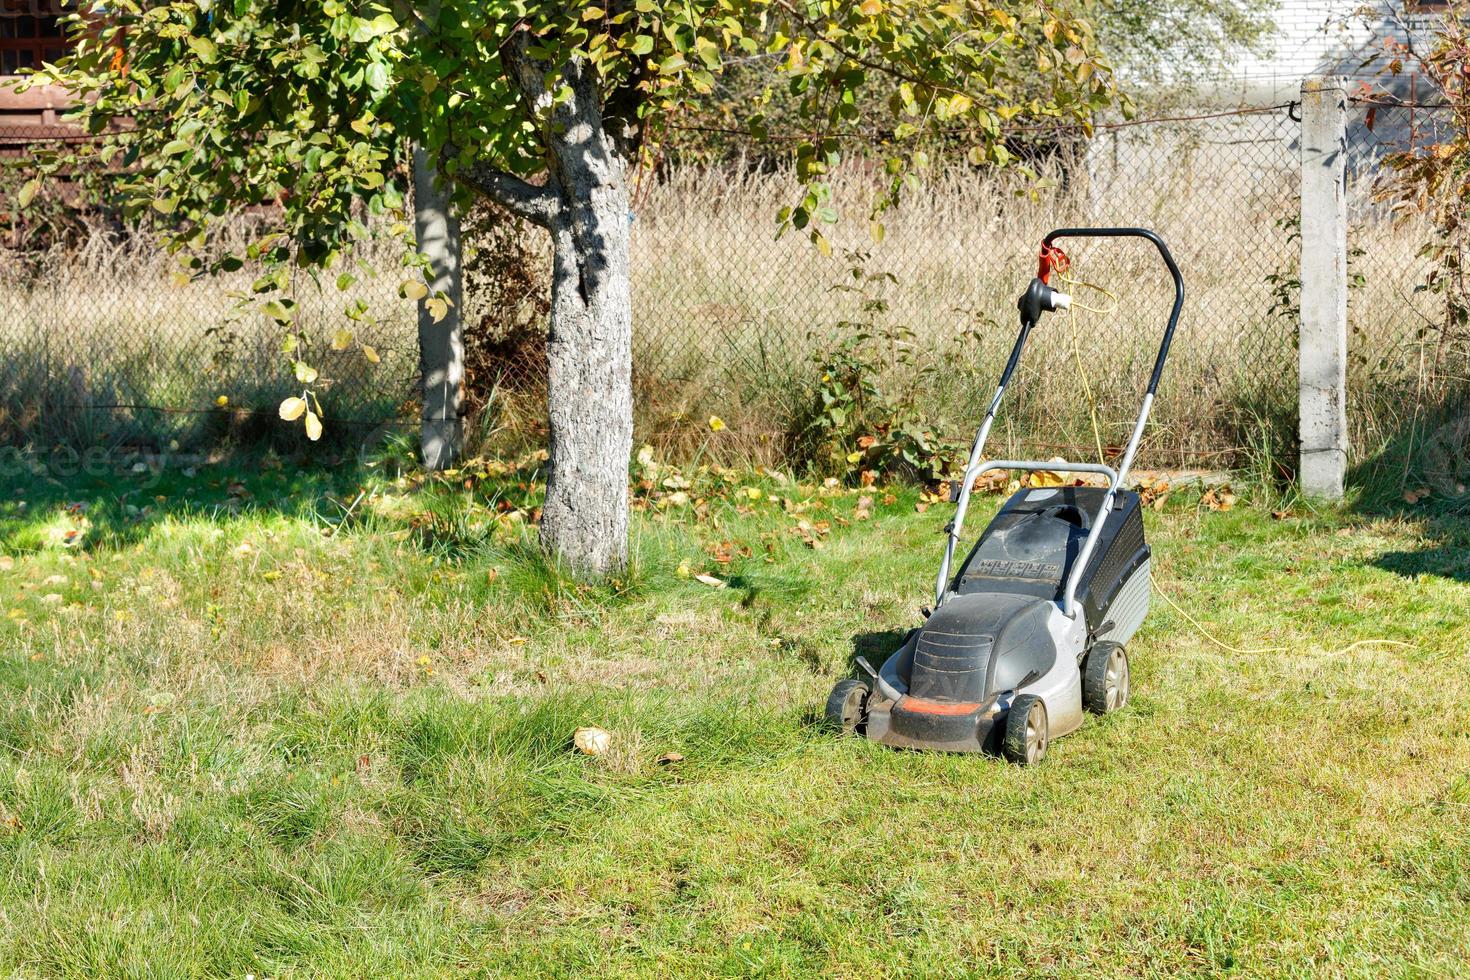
241	733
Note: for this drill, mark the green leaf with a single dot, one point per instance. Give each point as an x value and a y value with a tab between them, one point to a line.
28	192
205	49
365	30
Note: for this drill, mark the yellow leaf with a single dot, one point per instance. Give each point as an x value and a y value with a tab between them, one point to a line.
754	493
370	354
342	339
413	290
313	427
716	424
305	373
292	409
876	231
1046	478
438	308
709	580
870	8
854	457
222	400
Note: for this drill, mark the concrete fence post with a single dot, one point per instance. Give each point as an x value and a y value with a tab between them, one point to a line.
441	345
1322	344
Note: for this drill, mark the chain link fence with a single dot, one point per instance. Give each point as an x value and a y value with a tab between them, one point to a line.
1408	371
104	343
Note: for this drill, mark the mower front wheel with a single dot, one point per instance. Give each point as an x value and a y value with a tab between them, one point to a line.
1027	732
846	705
1105	678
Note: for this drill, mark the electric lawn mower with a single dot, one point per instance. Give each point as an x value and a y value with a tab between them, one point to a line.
1031	629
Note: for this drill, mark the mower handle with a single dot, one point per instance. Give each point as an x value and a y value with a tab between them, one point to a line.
1038	297
1153	381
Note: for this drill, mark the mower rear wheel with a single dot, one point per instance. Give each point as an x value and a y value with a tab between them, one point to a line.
1105	678
847	704
1027	732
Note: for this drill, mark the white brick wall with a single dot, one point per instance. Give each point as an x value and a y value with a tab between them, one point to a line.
1316	36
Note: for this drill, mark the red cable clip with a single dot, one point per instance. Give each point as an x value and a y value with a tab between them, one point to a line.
1051	258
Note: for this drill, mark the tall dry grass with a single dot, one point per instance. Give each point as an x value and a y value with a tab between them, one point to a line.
109	342
727	316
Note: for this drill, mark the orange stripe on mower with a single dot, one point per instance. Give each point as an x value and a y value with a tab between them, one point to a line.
926	707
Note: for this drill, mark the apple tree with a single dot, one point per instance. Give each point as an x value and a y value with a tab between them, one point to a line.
314	108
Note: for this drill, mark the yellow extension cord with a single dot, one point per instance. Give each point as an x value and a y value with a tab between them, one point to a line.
1097	438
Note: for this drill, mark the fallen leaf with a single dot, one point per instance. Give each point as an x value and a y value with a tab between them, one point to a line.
709	580
668	757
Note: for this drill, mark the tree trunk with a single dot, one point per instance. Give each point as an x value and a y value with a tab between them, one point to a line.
441	345
589	346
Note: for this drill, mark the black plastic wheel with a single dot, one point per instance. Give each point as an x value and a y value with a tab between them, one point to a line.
1027	733
1105	678
847	704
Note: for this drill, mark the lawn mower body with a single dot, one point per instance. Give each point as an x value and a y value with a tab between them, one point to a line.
1001	633
1031	630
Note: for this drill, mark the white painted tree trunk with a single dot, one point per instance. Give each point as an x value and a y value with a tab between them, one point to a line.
441	345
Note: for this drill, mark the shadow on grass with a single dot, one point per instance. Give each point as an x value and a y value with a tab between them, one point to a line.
875	647
1423	475
55	502
85	502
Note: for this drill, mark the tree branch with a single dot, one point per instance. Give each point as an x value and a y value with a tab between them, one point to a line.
538	205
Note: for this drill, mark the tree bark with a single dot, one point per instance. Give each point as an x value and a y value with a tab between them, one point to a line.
441	345
585	207
590	342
